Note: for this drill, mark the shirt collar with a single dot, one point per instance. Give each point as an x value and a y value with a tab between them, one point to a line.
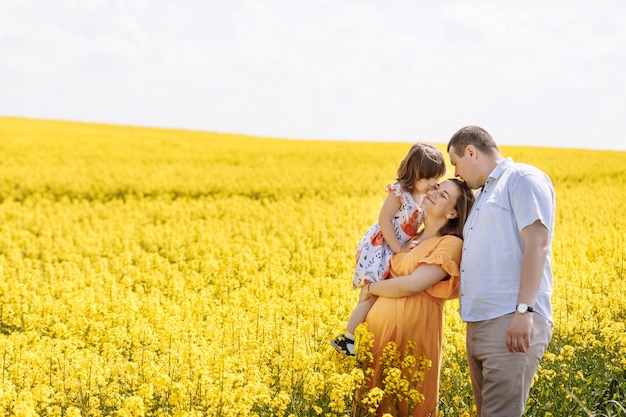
499	169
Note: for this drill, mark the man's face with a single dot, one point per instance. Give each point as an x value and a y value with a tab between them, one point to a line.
458	163
463	167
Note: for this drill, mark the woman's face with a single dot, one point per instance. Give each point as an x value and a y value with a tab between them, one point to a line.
440	202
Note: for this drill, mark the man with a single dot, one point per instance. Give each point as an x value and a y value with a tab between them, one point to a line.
506	277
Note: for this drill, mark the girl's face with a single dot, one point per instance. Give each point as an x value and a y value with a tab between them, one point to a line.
423	185
440	202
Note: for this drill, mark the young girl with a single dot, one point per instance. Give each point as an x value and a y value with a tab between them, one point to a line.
398	221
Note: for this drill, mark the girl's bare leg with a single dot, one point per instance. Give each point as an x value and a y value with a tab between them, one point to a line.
358	314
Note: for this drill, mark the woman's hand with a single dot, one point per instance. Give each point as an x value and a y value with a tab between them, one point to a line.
364	295
407	246
413	243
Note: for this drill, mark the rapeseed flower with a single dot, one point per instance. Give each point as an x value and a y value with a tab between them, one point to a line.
190	273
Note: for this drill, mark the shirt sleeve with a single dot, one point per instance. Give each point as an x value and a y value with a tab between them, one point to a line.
446	254
395	189
531	200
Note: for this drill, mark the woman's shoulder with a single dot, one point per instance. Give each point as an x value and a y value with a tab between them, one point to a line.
449	248
450	241
451	238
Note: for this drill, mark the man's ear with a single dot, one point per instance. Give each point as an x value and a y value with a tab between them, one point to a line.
471	151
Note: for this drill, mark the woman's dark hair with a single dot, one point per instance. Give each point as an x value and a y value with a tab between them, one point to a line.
423	161
463	206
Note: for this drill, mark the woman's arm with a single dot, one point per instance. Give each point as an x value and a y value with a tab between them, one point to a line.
387	212
425	276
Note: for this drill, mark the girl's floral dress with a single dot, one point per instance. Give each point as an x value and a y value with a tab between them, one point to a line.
373	253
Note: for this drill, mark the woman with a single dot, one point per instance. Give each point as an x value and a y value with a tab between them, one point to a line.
409	305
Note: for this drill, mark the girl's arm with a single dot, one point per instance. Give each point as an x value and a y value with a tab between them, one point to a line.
387	212
425	276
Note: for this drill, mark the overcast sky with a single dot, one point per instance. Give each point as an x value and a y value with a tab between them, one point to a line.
532	72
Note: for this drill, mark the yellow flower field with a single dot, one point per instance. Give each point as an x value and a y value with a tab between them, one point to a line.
153	272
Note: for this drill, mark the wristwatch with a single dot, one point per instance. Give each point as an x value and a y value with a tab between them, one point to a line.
523	308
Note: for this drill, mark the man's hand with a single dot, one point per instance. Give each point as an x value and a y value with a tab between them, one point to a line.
518	333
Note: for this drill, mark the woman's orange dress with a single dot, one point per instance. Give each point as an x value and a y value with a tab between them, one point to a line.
418	317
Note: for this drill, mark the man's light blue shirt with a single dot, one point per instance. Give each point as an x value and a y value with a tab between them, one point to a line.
514	196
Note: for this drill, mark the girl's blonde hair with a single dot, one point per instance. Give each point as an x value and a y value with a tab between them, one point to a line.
423	161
